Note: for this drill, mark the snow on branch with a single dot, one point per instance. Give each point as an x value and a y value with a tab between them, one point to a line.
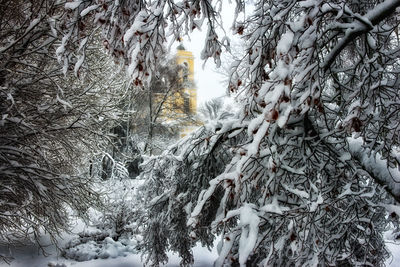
373	17
376	167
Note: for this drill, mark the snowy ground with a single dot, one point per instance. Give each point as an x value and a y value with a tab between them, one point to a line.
395	250
29	257
115	254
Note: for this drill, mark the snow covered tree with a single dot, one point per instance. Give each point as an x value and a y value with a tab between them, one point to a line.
174	181
51	125
150	119
215	109
307	171
161	112
134	31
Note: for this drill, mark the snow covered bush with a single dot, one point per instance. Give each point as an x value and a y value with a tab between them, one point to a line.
112	231
96	245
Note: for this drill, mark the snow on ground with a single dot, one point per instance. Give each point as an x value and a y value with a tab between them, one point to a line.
29	257
394	248
114	253
110	253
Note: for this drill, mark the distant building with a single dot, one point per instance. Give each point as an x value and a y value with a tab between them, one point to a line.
186	58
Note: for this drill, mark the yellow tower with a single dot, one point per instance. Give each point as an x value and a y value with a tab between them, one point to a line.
186	58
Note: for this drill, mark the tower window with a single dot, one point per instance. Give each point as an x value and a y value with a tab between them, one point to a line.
186	103
185	72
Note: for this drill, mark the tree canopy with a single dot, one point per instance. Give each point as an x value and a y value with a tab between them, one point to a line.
307	172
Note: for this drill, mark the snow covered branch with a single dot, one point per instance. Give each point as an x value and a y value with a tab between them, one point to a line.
379	13
376	168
